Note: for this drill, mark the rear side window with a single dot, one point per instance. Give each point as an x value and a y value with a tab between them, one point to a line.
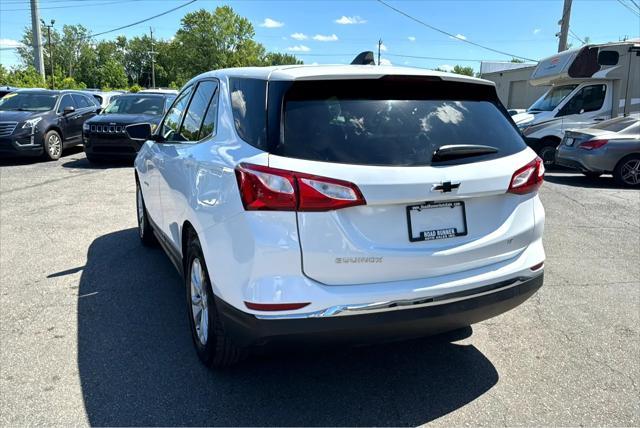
248	103
392	122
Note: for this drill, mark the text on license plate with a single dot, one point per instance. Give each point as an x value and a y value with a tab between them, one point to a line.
436	220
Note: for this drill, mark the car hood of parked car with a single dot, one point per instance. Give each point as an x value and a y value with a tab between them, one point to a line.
19	116
124	118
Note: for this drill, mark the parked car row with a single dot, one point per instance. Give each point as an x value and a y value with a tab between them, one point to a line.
41	122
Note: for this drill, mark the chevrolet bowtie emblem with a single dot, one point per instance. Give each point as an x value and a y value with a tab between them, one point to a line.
445	187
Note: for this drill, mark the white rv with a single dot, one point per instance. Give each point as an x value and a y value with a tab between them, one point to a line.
589	84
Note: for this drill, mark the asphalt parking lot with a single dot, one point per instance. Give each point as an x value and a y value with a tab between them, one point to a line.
93	327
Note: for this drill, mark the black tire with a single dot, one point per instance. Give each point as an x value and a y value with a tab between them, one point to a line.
52	145
591	175
145	230
624	171
547	153
217	348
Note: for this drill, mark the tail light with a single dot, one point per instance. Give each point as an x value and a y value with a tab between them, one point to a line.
592	144
265	188
527	179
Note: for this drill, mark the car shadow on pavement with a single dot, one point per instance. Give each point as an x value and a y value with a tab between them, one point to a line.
579	180
137	365
83	163
28	160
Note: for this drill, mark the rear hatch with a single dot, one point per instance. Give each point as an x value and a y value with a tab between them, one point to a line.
426	211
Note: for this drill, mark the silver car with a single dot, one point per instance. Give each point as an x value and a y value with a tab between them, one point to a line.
610	147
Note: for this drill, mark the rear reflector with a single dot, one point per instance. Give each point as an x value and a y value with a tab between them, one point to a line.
275	306
538	266
265	188
527	179
592	144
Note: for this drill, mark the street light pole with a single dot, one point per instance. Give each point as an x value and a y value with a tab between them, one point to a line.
379	46
49	27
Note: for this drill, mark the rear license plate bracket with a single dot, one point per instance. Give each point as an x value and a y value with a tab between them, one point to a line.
451	215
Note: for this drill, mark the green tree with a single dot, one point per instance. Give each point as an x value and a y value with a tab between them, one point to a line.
517	60
26	77
274	58
467	71
208	41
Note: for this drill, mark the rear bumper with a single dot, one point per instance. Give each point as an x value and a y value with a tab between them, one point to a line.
388	325
585	161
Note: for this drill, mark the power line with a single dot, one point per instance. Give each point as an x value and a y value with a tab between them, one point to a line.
72	6
450	34
635	12
635	4
576	36
139	22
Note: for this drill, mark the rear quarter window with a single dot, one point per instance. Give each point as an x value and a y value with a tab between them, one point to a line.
391	122
248	104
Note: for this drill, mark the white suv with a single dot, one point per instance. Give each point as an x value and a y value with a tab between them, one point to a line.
355	203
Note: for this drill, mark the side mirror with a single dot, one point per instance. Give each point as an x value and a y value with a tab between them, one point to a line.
68	110
139	131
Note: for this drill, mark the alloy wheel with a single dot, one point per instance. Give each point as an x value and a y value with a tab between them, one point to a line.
55	145
630	172
199	306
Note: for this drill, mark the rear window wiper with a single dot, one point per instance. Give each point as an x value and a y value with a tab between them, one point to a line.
457	151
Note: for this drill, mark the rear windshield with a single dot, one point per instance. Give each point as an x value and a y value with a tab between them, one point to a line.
389	122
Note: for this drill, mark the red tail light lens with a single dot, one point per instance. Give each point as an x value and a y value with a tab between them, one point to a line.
527	179
275	306
592	144
265	188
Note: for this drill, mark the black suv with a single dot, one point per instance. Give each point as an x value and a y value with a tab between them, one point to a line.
39	122
104	136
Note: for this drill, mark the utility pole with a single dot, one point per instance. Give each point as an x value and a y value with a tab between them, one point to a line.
49	27
153	61
379	46
564	26
36	38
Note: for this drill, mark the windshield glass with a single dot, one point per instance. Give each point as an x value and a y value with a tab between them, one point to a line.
551	99
137	104
368	123
28	102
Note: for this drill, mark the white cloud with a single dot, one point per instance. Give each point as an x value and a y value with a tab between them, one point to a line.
299	48
536	30
10	43
446	67
299	36
459	37
347	20
411	38
271	23
383	48
323	38
384	61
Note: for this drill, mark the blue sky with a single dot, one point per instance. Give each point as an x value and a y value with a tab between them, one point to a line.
334	31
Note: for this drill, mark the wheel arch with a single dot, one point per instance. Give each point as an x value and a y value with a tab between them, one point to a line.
56	128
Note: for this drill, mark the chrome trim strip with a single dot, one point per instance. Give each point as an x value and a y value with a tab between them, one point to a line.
396	305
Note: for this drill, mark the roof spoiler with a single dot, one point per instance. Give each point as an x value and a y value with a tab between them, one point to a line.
364	58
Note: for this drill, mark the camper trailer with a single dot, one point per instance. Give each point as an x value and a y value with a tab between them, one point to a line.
588	85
